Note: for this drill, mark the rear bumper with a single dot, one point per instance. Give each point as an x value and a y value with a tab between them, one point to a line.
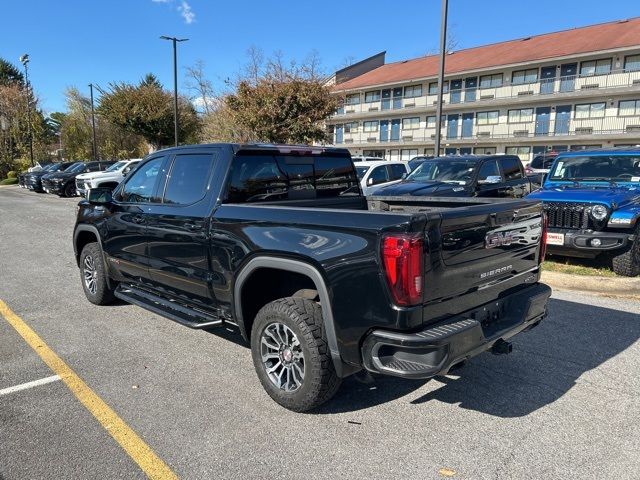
434	350
580	241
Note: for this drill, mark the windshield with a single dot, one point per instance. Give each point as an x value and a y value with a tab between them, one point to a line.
76	168
606	168
52	167
360	171
444	170
115	166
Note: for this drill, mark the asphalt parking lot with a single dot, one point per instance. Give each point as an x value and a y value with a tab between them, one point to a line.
565	403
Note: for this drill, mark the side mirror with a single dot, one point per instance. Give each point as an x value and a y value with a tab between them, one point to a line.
491	179
99	196
404	175
370	181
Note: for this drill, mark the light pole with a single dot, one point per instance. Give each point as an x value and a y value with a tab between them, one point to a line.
443	53
24	59
175	83
93	126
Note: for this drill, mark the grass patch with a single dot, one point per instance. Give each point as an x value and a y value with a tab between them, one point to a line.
9	181
579	266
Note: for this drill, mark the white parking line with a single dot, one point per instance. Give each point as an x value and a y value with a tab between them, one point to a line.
24	386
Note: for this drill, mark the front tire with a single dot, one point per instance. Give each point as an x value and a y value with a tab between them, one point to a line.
93	275
627	264
291	355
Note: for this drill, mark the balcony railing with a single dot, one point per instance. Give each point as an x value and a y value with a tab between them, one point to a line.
620	126
574	83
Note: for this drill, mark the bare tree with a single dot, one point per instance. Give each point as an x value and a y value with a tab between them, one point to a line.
201	88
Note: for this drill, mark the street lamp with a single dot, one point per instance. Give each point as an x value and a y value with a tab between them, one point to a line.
175	83
443	53
24	59
93	126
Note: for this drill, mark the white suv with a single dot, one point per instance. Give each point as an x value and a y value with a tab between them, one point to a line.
379	173
110	178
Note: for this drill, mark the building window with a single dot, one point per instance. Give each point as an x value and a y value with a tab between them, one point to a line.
520	115
628	107
413	91
521	77
351	127
590	110
595	67
431	122
373	96
353	99
522	152
488	118
632	63
433	88
411	123
370	126
491	81
408	154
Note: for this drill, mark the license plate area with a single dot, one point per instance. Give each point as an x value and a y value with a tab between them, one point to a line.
555	238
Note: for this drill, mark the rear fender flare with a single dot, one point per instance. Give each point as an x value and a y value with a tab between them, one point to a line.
303	268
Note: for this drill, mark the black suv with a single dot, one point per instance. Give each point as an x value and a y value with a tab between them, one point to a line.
64	183
279	242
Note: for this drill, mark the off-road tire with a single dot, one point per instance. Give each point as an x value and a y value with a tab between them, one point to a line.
304	318
103	294
627	263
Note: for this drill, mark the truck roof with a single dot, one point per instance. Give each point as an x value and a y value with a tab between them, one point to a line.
275	148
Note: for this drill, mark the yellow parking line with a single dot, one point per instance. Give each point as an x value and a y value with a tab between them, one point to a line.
135	447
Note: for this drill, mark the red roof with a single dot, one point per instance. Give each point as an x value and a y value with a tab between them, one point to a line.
604	36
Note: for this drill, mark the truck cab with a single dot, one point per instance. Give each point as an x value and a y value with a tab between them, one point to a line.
592	200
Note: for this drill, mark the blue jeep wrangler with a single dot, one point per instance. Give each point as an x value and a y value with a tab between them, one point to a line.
592	200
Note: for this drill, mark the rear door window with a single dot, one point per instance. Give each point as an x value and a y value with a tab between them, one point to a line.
511	168
396	171
188	179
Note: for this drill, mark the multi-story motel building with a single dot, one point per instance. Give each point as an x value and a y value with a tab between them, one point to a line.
565	90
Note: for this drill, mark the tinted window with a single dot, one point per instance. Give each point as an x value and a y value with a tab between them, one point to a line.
361	171
335	176
397	171
488	169
140	186
511	168
188	179
267	178
256	178
378	175
93	167
542	161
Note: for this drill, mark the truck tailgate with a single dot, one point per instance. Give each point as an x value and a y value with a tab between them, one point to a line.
474	249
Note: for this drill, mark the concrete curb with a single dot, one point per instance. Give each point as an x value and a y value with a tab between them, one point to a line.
619	287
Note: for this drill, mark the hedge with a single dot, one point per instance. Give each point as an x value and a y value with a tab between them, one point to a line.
9	181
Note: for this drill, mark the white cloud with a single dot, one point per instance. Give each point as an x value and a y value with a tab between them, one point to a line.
186	12
184	8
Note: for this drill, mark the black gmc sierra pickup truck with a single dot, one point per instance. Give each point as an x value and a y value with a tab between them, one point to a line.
280	242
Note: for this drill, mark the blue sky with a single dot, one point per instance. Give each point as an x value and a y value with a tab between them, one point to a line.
74	42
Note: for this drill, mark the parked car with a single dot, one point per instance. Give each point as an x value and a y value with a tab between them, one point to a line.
277	240
33	180
592	200
541	164
373	175
500	176
63	183
415	162
38	166
110	178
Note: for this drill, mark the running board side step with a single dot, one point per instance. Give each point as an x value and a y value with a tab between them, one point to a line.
166	308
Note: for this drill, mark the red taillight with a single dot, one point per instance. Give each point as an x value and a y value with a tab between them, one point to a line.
543	237
403	260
